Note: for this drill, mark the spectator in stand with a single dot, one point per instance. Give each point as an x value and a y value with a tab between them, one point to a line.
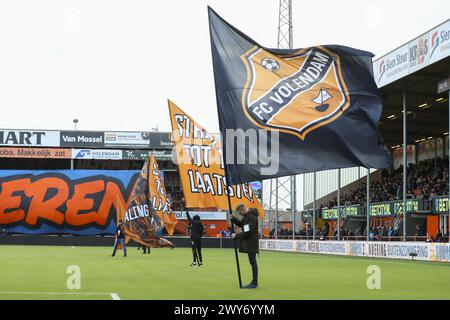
373	233
390	230
419	231
439	236
350	234
326	230
425	179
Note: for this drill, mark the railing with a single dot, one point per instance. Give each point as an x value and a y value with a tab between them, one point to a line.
434	205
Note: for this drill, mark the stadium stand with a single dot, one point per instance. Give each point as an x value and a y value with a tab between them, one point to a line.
427	179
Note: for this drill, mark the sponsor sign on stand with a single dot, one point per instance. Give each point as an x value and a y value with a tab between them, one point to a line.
425	251
391	67
30	138
440	42
204	215
82	139
443	86
415	55
35	153
99	154
127	138
418	53
86	139
161	140
144	154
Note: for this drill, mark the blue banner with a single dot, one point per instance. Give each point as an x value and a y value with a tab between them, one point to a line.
79	202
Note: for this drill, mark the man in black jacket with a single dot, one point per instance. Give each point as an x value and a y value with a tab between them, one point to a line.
196	239
120	238
249	238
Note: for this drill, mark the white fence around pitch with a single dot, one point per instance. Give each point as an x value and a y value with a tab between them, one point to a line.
394	250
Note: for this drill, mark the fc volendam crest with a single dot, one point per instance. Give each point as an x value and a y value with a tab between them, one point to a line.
295	94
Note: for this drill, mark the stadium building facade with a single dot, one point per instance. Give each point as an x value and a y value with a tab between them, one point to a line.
415	75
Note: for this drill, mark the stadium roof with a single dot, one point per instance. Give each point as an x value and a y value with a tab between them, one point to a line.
416	68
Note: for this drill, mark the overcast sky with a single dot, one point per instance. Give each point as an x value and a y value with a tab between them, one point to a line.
113	64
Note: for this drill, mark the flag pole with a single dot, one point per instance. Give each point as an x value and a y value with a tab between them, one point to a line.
230	212
225	169
405	164
339	205
232	227
314	208
368	205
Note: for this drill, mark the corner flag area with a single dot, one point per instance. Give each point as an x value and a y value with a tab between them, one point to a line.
46	272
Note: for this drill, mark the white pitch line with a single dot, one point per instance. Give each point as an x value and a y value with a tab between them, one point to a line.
115	296
54	293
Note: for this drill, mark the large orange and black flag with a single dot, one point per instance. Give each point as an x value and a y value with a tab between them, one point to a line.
142	224
200	164
297	110
159	198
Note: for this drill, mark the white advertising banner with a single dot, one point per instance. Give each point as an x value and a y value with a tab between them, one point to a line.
127	138
99	154
418	53
391	67
395	250
31	138
204	215
415	55
440	42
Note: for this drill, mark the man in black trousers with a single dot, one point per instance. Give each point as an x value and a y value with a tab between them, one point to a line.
120	239
249	238
196	239
145	249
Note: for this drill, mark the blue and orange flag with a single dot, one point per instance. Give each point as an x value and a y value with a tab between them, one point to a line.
142	223
158	197
292	111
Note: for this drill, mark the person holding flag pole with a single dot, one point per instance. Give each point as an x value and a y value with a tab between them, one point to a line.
196	239
234	236
249	237
204	181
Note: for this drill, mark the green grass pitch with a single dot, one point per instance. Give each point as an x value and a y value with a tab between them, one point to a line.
39	272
